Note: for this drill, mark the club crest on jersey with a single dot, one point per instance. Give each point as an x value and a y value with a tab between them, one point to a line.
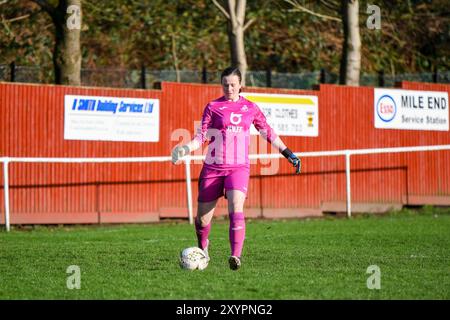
244	108
235	118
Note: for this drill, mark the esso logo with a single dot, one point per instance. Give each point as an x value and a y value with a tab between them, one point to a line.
235	118
386	108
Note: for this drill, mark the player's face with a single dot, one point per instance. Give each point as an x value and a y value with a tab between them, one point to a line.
231	87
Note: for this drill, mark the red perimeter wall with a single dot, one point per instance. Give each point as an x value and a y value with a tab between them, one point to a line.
32	125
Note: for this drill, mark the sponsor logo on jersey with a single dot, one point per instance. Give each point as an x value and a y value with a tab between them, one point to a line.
235	118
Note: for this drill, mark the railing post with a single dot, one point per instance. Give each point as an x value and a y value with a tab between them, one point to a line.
348	184
187	162
6	191
143	77
268	77
435	74
381	81
323	76
204	75
12	72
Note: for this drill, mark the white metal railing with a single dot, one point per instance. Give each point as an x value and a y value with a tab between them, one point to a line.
187	160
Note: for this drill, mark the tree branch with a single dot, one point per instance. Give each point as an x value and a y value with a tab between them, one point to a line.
240	11
18	18
299	8
46	6
248	23
225	13
175	58
331	5
232	11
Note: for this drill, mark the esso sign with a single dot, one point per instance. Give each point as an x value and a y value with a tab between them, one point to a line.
386	108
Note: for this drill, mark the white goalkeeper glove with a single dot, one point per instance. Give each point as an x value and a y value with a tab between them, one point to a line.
179	152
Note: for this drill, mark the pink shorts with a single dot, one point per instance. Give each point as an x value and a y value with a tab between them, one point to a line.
212	183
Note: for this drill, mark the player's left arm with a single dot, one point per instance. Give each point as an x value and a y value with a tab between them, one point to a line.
267	132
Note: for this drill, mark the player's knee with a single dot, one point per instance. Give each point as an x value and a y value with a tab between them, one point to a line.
202	221
235	205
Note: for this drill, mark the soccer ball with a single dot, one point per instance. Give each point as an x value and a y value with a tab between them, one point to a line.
193	258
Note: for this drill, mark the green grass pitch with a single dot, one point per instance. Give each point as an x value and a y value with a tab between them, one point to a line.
282	259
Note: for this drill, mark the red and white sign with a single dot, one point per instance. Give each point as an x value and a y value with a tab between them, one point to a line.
411	110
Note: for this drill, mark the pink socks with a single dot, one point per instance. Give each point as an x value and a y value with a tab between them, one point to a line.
202	234
237	233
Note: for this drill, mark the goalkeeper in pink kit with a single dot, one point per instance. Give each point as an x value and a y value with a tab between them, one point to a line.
226	123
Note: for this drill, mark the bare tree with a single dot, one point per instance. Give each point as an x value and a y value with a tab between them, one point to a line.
66	17
234	12
175	58
351	48
350	66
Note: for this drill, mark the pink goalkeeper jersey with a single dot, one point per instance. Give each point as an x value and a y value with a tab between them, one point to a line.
227	125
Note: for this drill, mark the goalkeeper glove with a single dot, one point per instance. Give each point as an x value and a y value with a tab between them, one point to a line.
292	158
178	152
